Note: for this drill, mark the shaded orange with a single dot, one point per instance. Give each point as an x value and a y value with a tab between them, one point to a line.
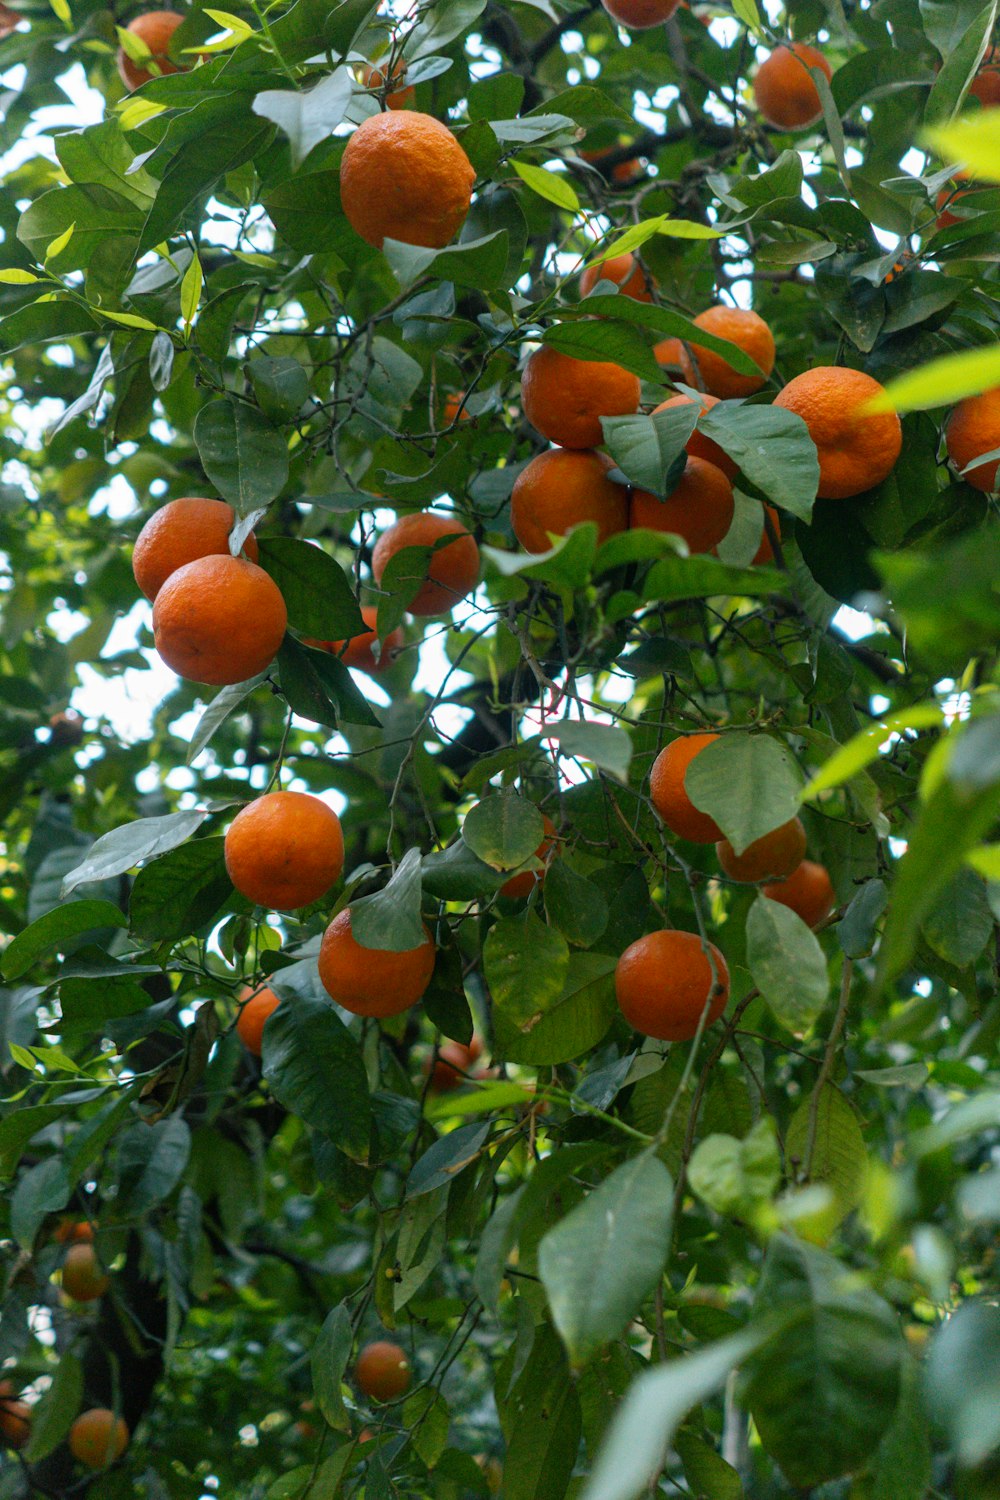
765	552
519	887
669	794
15	1417
383	1371
986	84
219	620
971	429
98	1437
561	488
284	850
784	89
71	1231
663	981
155	28
856	452
403	176
626	273
640	15
697	444
82	1276
359	651
808	891
372	981
180	532
748	331
453	1061
373	77
673	352
451	572
771	857
565	398
453	410
700	508
253	1014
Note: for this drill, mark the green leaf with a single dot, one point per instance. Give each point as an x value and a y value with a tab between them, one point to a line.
390	919
448	1156
478	263
567	565
860	751
963	1381
733	1176
647	448
706	1473
568	1024
503	830
55	928
456	874
973	141
541	1454
787	964
749	783
704	577
125	847
600	1263
960	67
281	386
606	339
606	746
553	187
772	448
960	923
573	905
525	965
191	285
151	1162
180	892
314	1068
942	382
310	117
857	928
747	12
328	1361
901	1468
54	1414
315	588
839	1158
666	323
42	1190
225	702
319	687
242	454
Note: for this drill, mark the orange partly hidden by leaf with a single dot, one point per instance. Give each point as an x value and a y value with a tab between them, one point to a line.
219	620
784	89
451	571
771	857
561	488
372	981
180	532
857	450
669	794
699	509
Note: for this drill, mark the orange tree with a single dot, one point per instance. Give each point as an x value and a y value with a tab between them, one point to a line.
518	1014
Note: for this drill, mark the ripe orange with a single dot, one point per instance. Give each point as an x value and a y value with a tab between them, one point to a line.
765	552
178	533
700	509
98	1438
284	850
624	270
784	89
663	981
451	572
771	857
82	1276
373	77
951	195
359	651
640	15
403	176
623	172
372	981
561	488
453	1062
15	1417
453	410
73	1231
219	620
254	1012
668	793
748	331
698	445
566	398
155	29
986	84
673	352
856	452
383	1371
974	428
808	891
520	887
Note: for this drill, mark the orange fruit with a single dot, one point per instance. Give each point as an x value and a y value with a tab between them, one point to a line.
808	891
700	508
561	488
372	981
15	1417
453	1061
669	795
771	857
219	620
856	451
663	981
359	651
986	84
565	398
765	552
784	89
73	1231
748	331
626	273
640	15
403	176
180	532
973	428
383	1371
698	445
453	410
519	887
155	29
373	77
82	1276
98	1438
284	850
450	573
254	1011
951	195
674	353
623	172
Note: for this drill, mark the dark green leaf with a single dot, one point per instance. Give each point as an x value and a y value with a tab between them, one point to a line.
787	964
56	927
319	687
573	905
390	919
180	892
125	847
314	1068
503	830
606	339
242	454
316	590
749	783
772	448
330	1354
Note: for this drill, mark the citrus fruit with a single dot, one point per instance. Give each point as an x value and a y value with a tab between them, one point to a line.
180	532
697	444
383	1371
748	331
986	84
669	795
699	509
974	428
765	552
447	1071
284	850
663	982
948	196
15	1417
672	353
373	77
565	398
561	488
98	1438
254	1011
155	29
372	981
450	573
403	176
808	891
82	1276
640	15
856	451
784	89
359	651
626	273
519	887
621	172
219	620
771	857
73	1231
453	410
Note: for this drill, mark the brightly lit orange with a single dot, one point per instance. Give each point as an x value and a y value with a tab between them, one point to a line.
626	273
785	90
155	29
403	176
180	532
284	850
450	573
565	398
373	77
664	980
82	1276
669	794
15	1417
856	451
98	1438
697	444
359	651
219	620
640	15
372	981
974	428
254	1011
561	488
519	887
748	331
699	509
771	857
808	891
383	1371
